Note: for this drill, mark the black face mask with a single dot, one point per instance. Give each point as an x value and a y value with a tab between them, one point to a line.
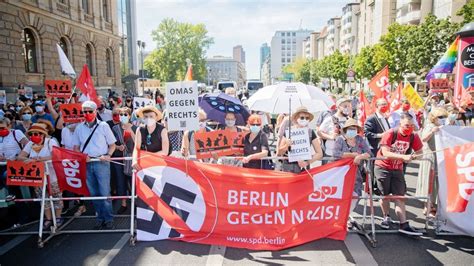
101	107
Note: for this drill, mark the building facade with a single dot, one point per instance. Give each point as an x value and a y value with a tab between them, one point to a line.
286	46
332	39
225	68
264	54
306	46
239	54
349	28
87	31
415	11
266	72
127	28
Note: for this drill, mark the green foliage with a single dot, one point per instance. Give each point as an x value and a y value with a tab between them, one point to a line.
175	42
467	12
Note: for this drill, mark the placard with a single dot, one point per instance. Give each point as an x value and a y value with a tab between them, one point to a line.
58	88
182	105
413	97
25	174
440	85
301	146
72	112
3	97
139	102
219	142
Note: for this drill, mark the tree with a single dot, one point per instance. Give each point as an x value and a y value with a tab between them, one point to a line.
176	42
467	12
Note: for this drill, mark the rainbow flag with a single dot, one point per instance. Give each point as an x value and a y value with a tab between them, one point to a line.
189	73
446	63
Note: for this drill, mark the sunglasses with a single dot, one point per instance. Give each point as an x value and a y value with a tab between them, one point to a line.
27	113
35	134
19	106
88	112
123	114
304	117
255	124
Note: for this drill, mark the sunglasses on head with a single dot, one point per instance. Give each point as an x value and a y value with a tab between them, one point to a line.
88	112
35	134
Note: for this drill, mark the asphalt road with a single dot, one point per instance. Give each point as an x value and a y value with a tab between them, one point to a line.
114	248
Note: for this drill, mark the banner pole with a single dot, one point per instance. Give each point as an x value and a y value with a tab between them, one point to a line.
43	196
132	210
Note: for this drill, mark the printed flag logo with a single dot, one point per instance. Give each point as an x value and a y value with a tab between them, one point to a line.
328	184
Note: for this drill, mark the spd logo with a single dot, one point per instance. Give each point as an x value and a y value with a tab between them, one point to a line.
328	184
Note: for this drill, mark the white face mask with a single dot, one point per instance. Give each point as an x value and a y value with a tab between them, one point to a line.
39	109
202	125
346	111
150	121
302	122
230	123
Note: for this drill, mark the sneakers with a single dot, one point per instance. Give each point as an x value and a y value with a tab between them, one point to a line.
122	210
80	211
385	224
10	198
408	230
98	225
109	225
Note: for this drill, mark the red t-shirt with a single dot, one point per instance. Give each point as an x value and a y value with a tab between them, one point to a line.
400	146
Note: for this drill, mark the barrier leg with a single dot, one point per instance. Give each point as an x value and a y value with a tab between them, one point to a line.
40	230
372	213
53	214
132	211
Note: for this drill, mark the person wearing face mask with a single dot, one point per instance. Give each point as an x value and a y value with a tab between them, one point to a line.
24	124
398	146
58	120
331	126
95	139
188	147
115	118
394	119
152	137
435	120
40	149
103	114
256	146
41	114
125	135
19	105
299	119
351	145
454	118
128	102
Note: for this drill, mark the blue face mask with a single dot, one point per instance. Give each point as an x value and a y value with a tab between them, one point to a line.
26	117
351	133
124	119
255	129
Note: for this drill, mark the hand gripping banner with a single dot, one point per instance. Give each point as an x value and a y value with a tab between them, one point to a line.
239	207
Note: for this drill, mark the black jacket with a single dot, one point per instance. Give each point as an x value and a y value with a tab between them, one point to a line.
373	126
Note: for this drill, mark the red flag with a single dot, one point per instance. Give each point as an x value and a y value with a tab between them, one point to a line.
380	84
70	168
189	73
86	85
365	109
396	98
460	169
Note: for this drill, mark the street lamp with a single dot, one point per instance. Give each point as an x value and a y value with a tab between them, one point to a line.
141	47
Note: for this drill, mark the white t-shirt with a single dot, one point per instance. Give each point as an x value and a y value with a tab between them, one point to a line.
9	147
46	151
67	138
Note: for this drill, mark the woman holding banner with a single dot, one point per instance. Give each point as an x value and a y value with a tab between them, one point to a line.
40	149
189	146
256	146
152	137
300	119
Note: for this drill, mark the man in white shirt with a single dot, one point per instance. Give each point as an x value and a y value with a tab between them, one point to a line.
331	126
394	118
95	138
103	114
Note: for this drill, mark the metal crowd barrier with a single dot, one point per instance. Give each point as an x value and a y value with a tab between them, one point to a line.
368	197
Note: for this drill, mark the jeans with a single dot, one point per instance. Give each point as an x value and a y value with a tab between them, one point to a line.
98	182
120	179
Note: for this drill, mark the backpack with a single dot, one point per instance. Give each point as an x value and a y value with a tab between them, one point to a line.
394	139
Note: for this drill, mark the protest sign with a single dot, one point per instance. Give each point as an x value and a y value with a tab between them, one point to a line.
25	174
439	85
219	142
58	88
249	208
413	97
72	112
70	168
182	105
139	102
3	97
300	147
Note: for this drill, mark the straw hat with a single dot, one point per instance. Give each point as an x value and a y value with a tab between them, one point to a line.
342	100
351	123
301	110
150	108
40	128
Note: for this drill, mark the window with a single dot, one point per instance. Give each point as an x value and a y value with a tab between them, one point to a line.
294	33
63	1
105	10
90	58
64	45
283	60
29	51
288	60
109	62
282	40
85	6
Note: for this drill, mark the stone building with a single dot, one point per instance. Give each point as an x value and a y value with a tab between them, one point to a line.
87	30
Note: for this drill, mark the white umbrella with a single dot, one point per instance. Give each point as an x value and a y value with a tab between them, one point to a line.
279	98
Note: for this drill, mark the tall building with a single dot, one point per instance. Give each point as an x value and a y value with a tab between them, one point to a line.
286	47
127	28
239	54
415	11
332	39
349	28
87	31
266	72
264	54
225	68
306	46
321	43
313	45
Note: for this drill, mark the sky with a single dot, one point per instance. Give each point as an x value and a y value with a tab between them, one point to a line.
233	22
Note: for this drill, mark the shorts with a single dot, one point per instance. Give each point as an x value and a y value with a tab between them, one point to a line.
55	193
390	181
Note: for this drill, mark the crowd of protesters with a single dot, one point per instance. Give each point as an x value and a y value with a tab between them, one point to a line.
30	127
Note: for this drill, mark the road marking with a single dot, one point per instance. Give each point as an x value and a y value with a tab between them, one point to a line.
115	250
358	250
216	255
12	243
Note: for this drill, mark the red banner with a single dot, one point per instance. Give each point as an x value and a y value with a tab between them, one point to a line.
460	170
365	109
239	207
380	84
58	88
71	172
25	174
72	112
219	142
396	98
